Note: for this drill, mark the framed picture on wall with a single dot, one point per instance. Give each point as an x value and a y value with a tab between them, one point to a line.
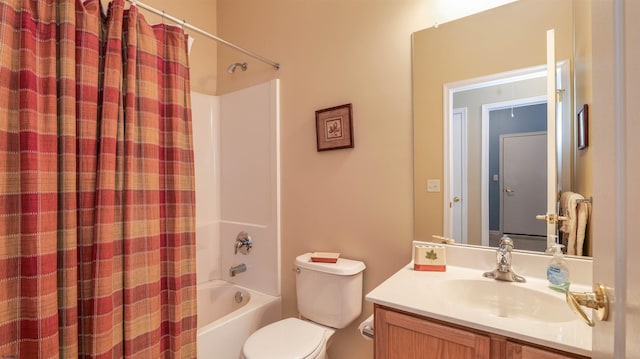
334	128
582	127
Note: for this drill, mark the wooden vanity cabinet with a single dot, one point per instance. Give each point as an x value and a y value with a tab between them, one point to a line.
400	335
523	351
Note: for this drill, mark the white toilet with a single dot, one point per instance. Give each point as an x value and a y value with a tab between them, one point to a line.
329	298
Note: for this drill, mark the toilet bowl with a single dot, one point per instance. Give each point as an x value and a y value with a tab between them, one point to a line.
329	298
288	338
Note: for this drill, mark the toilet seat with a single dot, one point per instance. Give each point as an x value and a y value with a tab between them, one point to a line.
287	338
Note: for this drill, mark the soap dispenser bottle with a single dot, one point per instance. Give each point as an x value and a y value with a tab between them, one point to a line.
558	271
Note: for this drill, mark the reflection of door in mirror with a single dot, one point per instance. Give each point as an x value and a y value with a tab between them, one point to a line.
523	165
518	160
458	196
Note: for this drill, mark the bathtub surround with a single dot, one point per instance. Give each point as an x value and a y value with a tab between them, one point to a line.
206	143
236	141
237	185
97	185
250	178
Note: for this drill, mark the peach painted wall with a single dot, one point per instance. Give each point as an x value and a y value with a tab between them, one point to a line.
355	201
236	162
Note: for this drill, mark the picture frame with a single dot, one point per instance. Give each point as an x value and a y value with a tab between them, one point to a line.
582	128
334	128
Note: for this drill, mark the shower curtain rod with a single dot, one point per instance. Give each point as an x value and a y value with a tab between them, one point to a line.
202	32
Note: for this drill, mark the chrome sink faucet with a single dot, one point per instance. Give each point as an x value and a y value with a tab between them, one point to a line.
503	263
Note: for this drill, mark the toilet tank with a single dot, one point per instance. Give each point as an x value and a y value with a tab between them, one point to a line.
329	293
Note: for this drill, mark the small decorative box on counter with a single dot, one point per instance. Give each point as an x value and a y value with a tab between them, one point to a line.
429	258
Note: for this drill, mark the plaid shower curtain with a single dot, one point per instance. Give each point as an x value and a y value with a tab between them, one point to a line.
97	200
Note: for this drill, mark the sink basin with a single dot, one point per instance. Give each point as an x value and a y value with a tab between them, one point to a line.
505	299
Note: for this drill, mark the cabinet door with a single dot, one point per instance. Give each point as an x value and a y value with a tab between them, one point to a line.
519	351
400	336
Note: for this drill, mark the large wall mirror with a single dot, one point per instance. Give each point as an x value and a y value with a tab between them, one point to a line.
480	121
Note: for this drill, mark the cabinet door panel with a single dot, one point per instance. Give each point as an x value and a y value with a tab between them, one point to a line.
401	336
519	351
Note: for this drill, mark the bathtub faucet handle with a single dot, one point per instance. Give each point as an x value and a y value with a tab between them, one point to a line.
243	243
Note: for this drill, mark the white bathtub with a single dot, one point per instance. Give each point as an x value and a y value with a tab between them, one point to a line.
224	324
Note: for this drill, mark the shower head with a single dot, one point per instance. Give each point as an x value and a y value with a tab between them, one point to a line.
232	68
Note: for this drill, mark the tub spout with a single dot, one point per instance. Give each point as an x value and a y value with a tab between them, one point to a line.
237	269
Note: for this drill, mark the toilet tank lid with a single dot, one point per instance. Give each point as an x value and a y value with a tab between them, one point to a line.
342	267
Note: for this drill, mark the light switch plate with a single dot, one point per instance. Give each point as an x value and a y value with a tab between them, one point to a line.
433	185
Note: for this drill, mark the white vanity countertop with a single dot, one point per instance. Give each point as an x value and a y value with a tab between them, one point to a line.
418	292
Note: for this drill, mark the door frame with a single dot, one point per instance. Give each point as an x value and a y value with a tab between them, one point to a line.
614	189
465	179
484	182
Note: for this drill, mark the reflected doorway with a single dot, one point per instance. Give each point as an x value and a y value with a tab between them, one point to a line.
517	163
510	90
